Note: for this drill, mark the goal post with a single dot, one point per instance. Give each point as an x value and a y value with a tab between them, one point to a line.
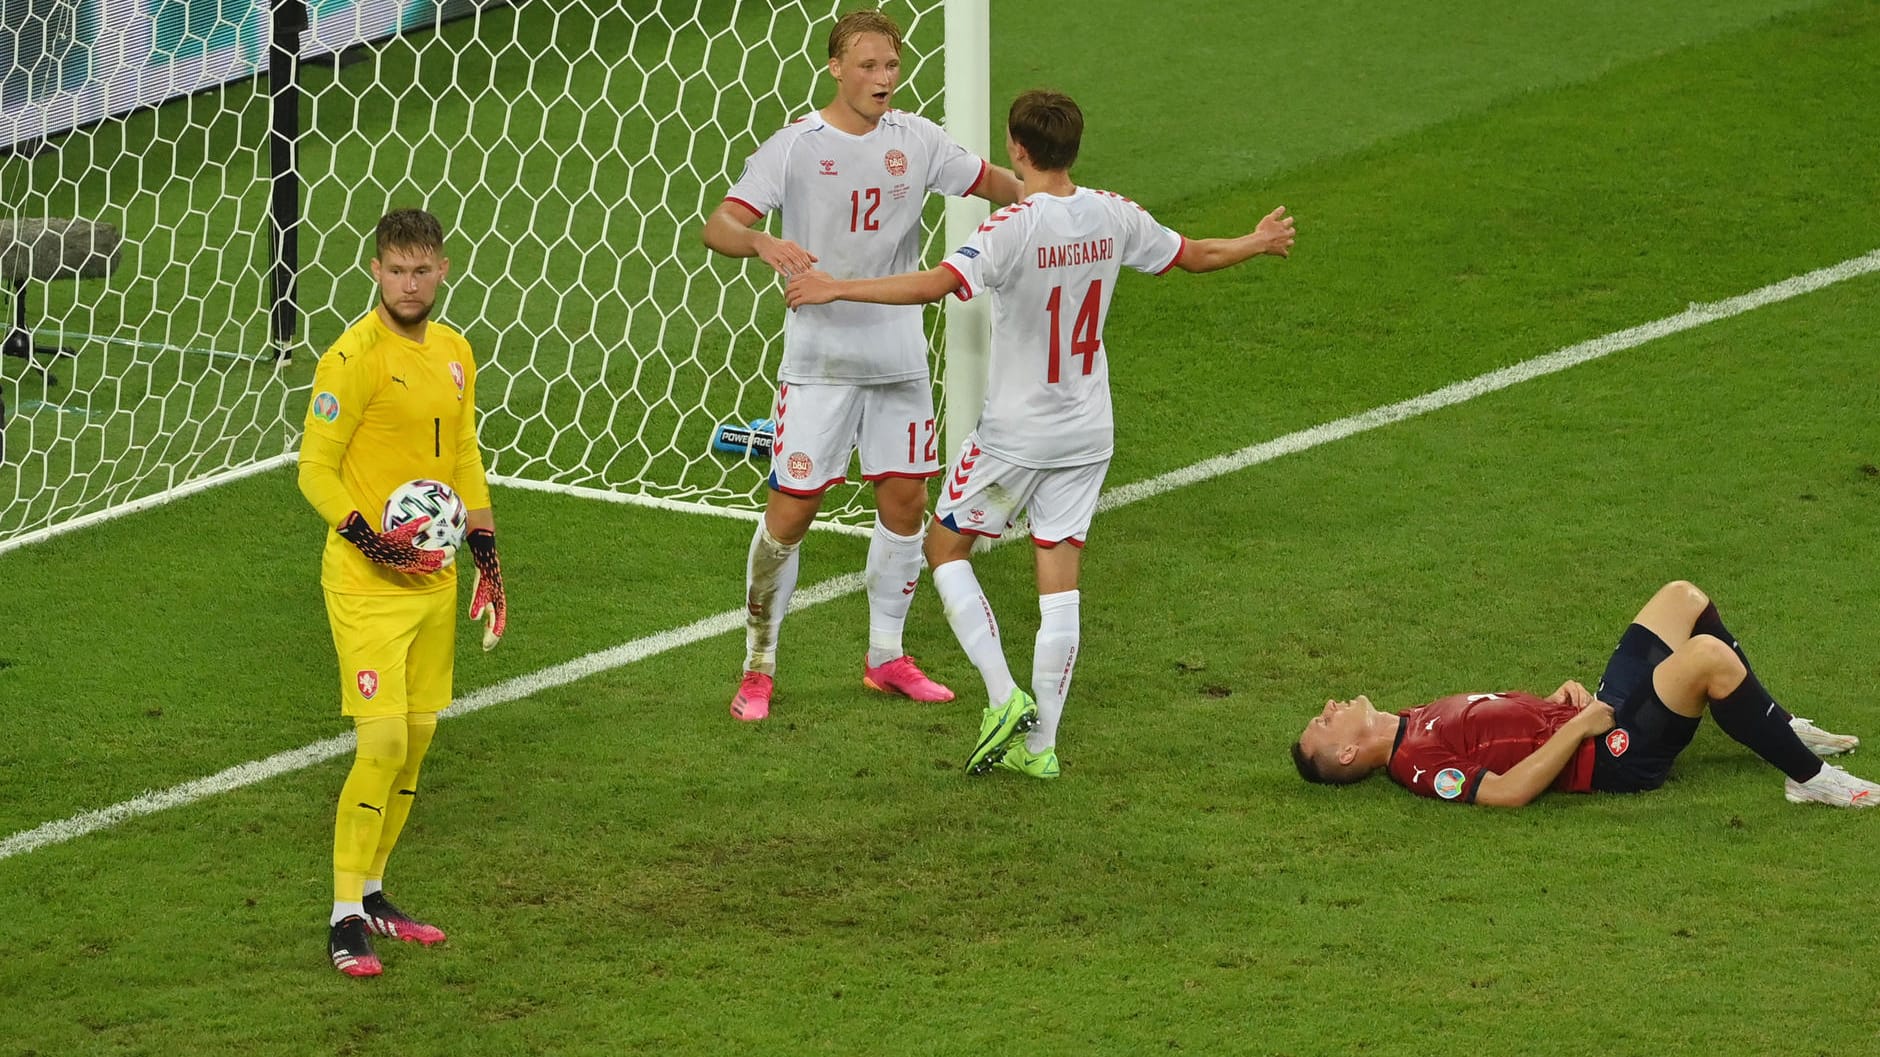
572	150
968	118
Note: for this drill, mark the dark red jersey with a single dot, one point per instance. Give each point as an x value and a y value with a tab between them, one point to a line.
1445	747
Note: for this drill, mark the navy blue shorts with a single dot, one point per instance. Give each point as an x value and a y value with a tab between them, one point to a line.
1636	754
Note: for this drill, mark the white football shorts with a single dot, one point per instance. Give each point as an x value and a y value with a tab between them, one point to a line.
820	426
985	494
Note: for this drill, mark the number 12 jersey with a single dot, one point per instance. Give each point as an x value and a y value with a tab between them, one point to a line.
854	202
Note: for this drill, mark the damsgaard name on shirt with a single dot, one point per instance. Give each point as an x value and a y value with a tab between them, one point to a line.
1072	254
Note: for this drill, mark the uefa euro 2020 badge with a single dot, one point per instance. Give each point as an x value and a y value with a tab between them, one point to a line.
1448	783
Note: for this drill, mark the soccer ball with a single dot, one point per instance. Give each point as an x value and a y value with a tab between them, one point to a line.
435	500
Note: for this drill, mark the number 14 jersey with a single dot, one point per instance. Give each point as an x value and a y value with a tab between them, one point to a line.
1051	264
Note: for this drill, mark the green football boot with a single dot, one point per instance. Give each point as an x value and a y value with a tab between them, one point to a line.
998	726
1020	758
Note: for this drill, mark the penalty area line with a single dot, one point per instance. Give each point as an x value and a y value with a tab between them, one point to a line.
640	649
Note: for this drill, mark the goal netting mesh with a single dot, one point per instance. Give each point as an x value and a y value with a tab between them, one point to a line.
572	150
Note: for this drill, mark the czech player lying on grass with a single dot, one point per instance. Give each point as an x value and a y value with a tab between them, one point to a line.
1675	661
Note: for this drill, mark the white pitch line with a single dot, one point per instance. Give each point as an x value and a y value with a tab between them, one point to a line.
320	751
652	645
1559	360
683	506
163	498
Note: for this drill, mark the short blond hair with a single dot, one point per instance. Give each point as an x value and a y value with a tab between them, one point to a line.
856	23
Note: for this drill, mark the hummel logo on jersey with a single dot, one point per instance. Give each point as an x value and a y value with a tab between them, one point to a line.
1417	777
1431	725
828	167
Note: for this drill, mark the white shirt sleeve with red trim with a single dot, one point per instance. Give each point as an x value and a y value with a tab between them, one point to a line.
760	189
983	262
1144	244
954	169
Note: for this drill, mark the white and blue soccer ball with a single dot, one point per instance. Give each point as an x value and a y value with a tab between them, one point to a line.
435	500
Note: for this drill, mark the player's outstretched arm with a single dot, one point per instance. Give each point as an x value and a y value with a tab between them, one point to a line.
908	288
1001	186
1531	777
487	599
730	230
1273	235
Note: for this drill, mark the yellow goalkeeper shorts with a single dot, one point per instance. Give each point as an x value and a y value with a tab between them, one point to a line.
396	652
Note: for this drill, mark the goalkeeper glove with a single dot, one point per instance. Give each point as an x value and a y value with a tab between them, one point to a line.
393	549
486	596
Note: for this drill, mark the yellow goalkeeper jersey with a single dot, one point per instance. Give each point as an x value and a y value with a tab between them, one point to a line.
398	410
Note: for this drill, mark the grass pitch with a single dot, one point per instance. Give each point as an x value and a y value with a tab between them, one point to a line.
623	869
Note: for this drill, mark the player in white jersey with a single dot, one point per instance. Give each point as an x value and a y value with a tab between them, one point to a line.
850	180
1044	436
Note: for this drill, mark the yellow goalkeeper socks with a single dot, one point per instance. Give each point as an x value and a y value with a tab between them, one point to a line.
420	727
362	802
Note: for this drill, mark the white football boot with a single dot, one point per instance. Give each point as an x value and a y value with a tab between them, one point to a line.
1821	742
1833	787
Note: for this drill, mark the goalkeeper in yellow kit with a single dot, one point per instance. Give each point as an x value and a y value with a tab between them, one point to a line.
394	400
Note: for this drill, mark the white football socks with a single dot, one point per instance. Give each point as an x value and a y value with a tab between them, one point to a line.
1053	657
342	911
974	625
893	572
769	580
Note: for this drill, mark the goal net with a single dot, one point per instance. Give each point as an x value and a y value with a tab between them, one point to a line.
572	151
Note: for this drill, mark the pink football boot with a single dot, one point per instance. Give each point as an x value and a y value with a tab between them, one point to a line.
752	702
902	676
